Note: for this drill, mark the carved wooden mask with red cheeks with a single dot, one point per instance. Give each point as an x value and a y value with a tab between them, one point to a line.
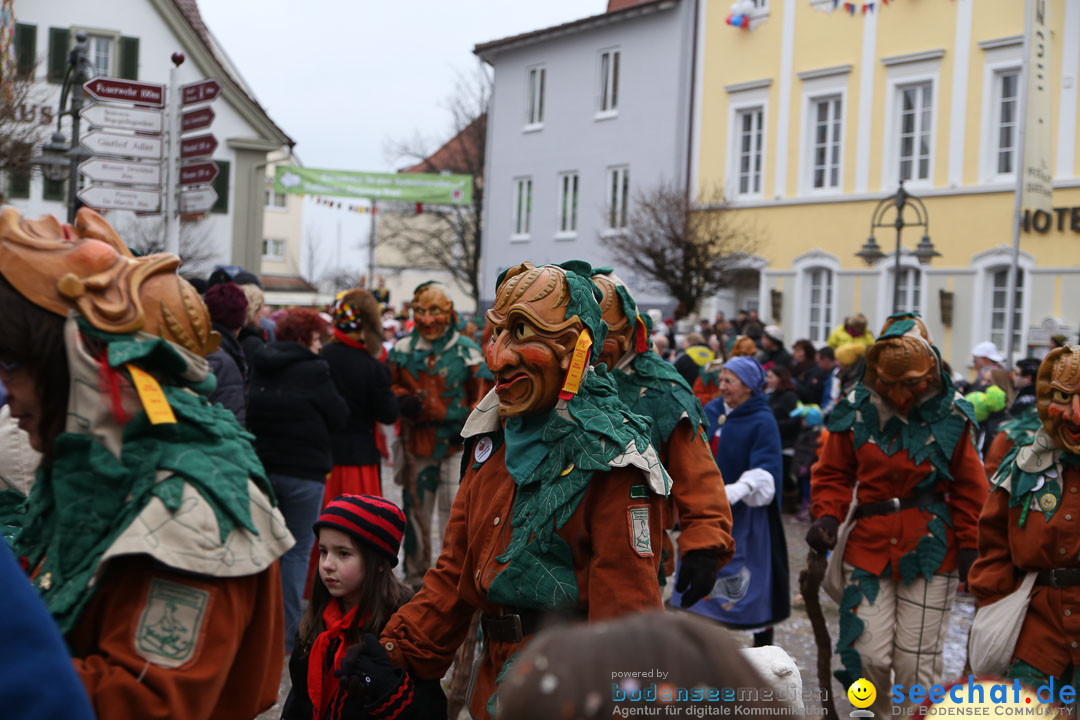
1058	393
620	329
900	370
532	342
432	311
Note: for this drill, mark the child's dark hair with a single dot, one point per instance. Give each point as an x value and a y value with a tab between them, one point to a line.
381	594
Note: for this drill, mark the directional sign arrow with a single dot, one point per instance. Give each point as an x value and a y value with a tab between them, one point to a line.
198	146
119	171
198	173
198	200
106	143
123	118
115	89
118	198
197	119
201	91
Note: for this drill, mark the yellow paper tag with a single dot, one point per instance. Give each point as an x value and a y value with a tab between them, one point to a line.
577	365
153	398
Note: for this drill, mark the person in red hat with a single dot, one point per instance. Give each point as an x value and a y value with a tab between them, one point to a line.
338	667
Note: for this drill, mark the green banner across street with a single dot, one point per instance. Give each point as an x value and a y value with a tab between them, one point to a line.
398	187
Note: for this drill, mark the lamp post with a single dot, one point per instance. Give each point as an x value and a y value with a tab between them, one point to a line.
59	158
924	252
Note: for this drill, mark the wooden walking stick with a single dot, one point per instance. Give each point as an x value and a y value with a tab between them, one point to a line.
809	584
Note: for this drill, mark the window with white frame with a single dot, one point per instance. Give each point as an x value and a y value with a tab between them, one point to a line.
273	199
609	81
825	143
522	206
915	123
101	54
749	124
618	192
273	249
999	293
819	302
1006	107
910	289
568	203
534	115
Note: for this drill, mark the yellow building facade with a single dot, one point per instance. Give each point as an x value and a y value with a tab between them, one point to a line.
812	116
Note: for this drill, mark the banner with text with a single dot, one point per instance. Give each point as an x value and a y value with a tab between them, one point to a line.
1037	185
397	187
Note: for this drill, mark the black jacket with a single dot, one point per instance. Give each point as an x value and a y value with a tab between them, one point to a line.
293	407
231	370
428	700
251	340
782	403
364	382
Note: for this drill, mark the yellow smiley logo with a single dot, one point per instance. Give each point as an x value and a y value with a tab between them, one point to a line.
862	693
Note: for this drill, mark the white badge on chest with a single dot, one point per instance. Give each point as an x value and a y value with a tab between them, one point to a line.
483	449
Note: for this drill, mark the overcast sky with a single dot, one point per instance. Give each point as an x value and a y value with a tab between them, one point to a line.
342	77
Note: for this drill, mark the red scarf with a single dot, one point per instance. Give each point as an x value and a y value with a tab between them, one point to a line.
321	689
351	342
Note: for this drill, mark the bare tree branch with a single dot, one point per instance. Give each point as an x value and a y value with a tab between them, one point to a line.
447	237
689	254
146	236
21	129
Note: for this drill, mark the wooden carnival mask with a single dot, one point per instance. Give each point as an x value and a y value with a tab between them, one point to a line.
620	330
433	311
743	347
86	266
901	370
532	341
1058	395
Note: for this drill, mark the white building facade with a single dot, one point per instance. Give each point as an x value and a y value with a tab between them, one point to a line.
134	39
584	116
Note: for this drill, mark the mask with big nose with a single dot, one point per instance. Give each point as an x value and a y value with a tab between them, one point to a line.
1058	395
901	370
532	341
620	330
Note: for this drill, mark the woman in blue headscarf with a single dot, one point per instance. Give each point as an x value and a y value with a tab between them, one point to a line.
751	591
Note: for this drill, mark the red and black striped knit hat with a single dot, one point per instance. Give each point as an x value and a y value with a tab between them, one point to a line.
370	520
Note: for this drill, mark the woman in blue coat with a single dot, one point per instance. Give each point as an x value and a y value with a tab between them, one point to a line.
751	591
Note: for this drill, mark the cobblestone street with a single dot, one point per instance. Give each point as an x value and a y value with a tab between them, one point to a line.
795	635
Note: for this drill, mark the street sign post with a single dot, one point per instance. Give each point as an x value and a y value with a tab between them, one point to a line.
197	119
123	118
202	91
198	146
197	200
106	143
129	91
198	173
119	171
120	198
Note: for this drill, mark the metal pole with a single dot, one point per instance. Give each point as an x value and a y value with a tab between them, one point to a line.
79	61
172	160
901	201
1018	211
372	234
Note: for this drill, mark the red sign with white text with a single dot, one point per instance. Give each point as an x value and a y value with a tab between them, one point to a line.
130	91
198	173
198	146
202	91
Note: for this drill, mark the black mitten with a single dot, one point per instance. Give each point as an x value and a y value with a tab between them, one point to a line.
965	558
697	575
822	534
366	670
410	406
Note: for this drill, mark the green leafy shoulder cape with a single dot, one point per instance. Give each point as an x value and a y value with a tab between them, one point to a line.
654	389
192	494
456	356
1032	470
592	432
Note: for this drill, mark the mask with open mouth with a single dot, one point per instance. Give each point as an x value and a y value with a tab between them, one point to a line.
1058	393
433	311
620	330
532	340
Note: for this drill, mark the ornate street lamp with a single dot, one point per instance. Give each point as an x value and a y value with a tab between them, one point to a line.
60	158
924	252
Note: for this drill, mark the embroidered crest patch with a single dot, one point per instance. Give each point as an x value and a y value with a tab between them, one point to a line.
640	538
171	621
483	448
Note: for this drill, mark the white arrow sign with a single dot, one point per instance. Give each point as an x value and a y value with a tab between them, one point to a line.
120	171
105	143
198	200
118	198
123	118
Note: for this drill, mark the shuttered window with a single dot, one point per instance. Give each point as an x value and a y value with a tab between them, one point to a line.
59	43
129	58
25	50
221	187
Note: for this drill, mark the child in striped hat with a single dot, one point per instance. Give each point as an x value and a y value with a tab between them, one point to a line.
338	667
